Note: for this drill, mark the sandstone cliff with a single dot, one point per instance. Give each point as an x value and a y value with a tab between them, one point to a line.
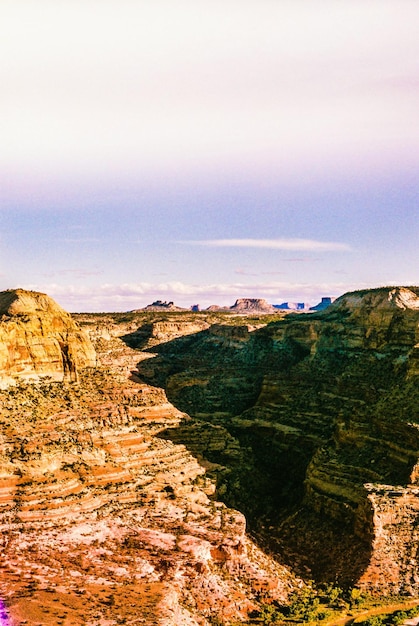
323	411
103	519
38	338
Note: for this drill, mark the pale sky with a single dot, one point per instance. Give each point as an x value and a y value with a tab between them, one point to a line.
201	151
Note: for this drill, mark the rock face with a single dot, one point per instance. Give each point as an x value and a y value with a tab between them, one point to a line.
323	411
103	518
164	330
38	338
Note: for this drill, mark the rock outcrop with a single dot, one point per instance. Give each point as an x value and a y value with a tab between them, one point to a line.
38	338
323	408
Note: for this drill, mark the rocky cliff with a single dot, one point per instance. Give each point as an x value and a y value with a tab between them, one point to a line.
103	519
38	338
323	412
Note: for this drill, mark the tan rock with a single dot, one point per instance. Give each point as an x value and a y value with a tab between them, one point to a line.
39	339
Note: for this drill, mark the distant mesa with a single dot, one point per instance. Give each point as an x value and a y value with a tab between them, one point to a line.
252	305
323	304
160	305
215	308
292	306
242	306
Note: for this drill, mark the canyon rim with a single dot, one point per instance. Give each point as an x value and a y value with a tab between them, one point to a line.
179	468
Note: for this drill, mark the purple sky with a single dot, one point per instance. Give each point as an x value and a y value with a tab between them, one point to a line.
200	151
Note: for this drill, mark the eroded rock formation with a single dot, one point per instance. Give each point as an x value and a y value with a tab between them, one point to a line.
38	338
324	410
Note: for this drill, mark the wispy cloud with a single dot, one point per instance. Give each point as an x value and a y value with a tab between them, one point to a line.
80	273
77	273
241	271
306	259
295	244
79	240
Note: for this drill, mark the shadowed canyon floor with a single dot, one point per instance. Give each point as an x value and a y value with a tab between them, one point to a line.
127	478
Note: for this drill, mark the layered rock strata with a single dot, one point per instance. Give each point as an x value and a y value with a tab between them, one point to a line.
103	519
324	409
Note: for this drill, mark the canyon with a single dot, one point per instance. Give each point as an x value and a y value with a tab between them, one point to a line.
194	468
323	409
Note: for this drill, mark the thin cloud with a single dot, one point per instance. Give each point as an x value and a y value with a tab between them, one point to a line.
80	273
77	273
244	272
305	259
79	240
302	245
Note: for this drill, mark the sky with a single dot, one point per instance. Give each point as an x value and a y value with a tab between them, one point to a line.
199	151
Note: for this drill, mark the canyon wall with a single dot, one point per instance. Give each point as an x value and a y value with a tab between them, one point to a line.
323	409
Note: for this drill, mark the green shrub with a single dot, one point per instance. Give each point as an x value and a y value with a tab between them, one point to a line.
374	620
398	618
357	597
413	612
332	595
270	615
305	604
